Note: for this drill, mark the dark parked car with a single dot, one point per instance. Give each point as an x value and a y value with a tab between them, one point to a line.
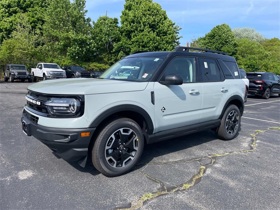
95	74
76	71
16	72
263	84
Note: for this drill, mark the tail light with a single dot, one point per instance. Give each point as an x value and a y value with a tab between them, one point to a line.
260	83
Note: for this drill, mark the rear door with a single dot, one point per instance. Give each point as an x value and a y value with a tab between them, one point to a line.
215	89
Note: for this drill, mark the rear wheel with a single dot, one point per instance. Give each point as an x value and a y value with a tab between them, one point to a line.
230	123
118	147
266	93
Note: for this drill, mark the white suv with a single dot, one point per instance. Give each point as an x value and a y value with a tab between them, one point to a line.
143	98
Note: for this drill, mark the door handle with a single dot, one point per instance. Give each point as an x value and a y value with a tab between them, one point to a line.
193	92
223	90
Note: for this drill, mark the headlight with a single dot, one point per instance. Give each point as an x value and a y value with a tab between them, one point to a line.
64	107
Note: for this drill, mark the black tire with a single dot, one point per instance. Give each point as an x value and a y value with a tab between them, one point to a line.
118	147
44	77
34	79
266	94
6	79
230	123
29	80
11	78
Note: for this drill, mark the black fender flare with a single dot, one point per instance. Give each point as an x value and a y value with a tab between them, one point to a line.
237	100
124	108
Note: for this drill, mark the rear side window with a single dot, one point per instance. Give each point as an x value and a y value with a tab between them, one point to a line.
233	68
210	70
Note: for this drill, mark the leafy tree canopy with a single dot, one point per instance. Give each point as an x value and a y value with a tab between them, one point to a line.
220	38
146	27
248	33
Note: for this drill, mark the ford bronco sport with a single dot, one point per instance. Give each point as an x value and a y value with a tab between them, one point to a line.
144	98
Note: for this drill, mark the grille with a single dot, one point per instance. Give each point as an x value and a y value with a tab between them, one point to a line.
57	74
21	73
37	102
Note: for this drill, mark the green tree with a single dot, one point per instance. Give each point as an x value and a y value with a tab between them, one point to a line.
220	38
23	46
106	34
145	26
273	47
67	32
248	33
252	56
10	15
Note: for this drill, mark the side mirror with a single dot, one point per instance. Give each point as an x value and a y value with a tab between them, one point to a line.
171	80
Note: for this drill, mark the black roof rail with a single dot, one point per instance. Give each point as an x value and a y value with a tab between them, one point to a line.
189	49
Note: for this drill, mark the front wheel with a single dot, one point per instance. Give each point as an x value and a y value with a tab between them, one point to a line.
266	93
11	78
118	147
230	123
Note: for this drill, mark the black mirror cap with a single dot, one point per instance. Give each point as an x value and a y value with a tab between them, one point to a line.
172	80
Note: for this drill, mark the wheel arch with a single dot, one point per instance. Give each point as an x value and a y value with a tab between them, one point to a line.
136	113
236	100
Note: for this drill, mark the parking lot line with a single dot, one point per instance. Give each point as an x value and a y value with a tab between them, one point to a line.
261	120
269	102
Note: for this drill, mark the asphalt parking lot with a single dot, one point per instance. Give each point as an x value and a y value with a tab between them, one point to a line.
192	172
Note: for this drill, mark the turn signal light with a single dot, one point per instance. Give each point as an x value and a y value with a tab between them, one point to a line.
85	134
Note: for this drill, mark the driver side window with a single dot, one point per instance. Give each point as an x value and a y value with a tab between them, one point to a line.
183	67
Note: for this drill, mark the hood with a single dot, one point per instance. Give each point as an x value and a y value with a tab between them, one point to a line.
83	86
58	70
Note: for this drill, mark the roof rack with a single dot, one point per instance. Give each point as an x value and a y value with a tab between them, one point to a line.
189	49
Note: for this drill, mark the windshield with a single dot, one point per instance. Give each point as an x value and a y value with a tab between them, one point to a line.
17	67
77	68
133	69
51	66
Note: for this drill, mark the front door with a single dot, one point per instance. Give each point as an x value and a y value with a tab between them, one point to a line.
178	105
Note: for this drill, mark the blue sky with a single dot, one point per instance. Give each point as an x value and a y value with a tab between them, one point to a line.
197	18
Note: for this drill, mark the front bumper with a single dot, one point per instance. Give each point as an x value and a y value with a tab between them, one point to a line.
66	143
256	91
21	76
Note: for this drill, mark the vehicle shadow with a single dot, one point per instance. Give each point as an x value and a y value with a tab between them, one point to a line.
152	151
175	145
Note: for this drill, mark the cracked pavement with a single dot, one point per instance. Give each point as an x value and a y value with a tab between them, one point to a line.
197	171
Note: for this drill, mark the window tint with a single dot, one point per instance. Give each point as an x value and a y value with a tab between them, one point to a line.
210	70
233	68
182	66
270	77
242	73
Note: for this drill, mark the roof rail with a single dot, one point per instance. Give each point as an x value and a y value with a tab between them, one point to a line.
189	49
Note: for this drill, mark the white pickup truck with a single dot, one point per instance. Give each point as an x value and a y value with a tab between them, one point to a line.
46	71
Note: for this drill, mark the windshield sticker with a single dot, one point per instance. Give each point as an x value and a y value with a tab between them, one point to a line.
236	73
206	65
145	75
157	59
